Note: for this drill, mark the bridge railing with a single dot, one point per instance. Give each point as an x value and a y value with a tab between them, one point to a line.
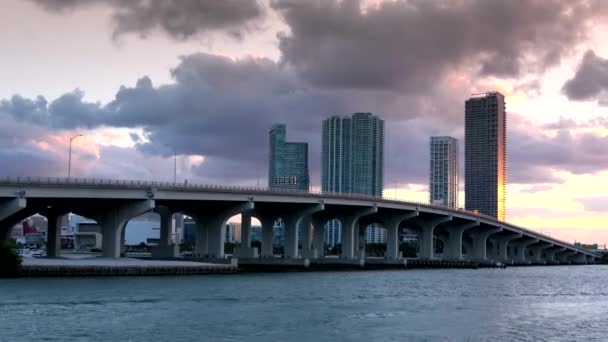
185	186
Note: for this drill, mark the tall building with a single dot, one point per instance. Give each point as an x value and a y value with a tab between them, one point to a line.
353	154
352	160
443	182
486	154
288	162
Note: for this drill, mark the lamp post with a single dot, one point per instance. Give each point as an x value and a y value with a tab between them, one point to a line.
70	155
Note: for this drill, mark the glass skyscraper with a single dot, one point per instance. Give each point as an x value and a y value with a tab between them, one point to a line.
352	159
288	162
486	154
444	171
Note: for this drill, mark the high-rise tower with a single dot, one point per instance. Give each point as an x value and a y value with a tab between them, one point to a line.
443	182
486	154
288	162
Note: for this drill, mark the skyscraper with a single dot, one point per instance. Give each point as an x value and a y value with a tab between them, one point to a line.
444	171
353	154
288	162
486	154
352	160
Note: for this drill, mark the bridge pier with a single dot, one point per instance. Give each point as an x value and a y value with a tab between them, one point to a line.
522	246
480	239
503	244
318	239
166	248
537	251
267	237
578	258
392	233
454	245
292	221
113	221
552	252
427	232
53	235
350	228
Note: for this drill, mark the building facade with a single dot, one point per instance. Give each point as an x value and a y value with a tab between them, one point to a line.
443	182
486	154
352	161
288	162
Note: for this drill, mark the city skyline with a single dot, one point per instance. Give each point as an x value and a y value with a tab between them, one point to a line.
209	91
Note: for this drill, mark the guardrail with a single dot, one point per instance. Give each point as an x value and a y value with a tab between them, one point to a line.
138	184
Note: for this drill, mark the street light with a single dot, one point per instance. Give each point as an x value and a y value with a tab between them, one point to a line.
70	155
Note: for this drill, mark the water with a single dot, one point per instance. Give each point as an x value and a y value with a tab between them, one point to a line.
529	304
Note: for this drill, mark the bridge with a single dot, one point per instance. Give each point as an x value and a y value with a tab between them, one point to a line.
112	203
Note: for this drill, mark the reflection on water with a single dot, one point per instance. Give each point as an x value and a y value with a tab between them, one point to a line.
534	303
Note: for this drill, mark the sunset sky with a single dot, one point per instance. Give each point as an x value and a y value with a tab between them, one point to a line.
205	79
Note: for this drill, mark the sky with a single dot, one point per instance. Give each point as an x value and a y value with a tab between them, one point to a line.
144	80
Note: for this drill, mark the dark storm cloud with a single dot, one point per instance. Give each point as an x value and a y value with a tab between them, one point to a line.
411	45
180	19
590	81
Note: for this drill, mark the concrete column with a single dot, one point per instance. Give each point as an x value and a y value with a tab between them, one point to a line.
590	259
202	240
306	238
578	258
480	240
291	228
350	228
454	245
563	257
212	228
392	233
53	236
267	236
113	222
166	248
425	241
318	239
551	253
538	251
360	242
245	250
503	244
522	247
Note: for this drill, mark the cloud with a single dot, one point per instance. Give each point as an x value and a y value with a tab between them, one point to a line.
412	45
179	19
595	204
536	188
590	81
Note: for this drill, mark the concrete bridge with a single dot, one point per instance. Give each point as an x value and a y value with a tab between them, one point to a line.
112	203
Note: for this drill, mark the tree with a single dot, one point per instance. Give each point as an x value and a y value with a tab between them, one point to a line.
10	262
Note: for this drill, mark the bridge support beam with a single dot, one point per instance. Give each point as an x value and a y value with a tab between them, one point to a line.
166	248
427	228
578	258
211	235
306	243
480	240
552	252
537	252
392	233
7	209
503	244
350	227
245	250
267	236
292	221
454	245
522	248
54	219
318	239
113	221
